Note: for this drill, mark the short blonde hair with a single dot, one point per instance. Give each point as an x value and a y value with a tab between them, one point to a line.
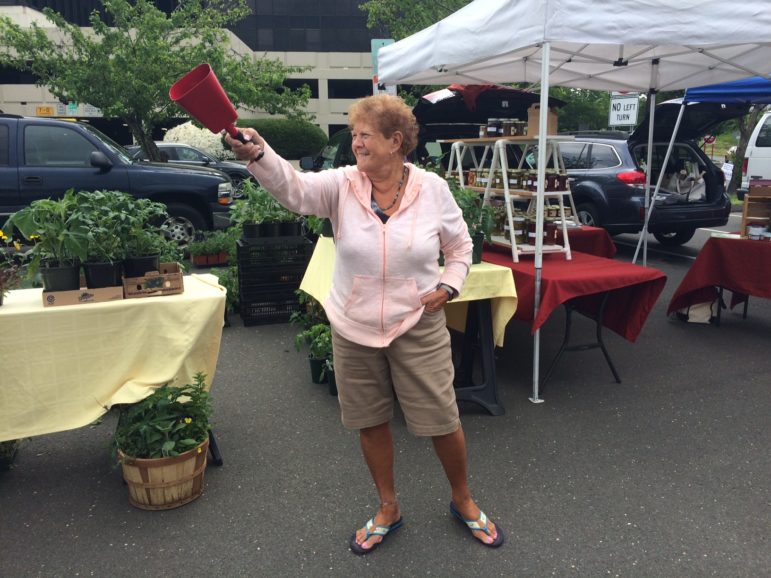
388	114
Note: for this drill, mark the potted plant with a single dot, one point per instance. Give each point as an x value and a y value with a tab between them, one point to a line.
248	212
146	240
161	443
59	239
228	278
318	338
212	248
479	217
108	219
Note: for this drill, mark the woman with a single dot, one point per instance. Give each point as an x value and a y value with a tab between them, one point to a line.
389	219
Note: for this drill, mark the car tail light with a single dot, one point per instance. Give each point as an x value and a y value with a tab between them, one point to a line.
745	162
632	177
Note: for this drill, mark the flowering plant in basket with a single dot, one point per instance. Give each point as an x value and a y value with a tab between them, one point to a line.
169	422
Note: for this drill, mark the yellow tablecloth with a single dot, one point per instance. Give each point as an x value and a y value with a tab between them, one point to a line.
63	367
485	281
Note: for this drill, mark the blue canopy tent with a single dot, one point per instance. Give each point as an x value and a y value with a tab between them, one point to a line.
752	90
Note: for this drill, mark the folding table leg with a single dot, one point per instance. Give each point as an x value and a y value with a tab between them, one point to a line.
214	450
479	332
599	343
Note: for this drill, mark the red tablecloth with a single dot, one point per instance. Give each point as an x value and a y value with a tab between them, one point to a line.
633	289
592	240
740	265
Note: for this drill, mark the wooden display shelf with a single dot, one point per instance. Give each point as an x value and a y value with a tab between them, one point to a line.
757	208
525	248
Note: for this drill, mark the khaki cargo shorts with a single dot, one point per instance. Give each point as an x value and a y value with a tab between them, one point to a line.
416	367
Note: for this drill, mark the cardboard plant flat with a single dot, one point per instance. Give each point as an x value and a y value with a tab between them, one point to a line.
83	295
167	281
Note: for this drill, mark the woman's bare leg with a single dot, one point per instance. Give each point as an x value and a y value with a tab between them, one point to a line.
451	450
378	448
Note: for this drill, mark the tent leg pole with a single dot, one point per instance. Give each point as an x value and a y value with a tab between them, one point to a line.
537	341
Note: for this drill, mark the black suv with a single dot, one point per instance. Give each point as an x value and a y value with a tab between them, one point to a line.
43	157
608	177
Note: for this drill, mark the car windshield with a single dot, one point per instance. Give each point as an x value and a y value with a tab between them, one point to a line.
119	151
329	152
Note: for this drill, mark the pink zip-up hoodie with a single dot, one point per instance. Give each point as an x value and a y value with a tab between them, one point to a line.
381	269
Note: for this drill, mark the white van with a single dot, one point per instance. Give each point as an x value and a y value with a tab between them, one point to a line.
757	158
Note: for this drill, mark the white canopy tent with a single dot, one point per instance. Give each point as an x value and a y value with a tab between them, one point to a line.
632	45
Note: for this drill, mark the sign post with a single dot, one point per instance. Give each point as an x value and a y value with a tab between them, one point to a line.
623	109
377	88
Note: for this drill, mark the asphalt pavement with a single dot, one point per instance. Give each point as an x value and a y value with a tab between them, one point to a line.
666	474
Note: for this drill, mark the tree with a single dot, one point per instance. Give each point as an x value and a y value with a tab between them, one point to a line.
126	67
400	18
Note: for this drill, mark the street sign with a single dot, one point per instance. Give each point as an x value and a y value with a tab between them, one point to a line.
377	88
44	111
623	110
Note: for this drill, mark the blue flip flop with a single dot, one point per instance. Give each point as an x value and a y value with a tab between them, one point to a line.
373	530
480	525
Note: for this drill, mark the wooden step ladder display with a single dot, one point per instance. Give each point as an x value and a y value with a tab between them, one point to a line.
497	182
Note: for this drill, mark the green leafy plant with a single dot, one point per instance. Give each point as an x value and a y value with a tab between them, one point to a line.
56	229
479	216
11	268
256	205
108	216
170	421
213	242
250	207
311	312
228	278
318	338
146	236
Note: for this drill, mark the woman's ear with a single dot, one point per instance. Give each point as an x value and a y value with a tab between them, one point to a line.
397	138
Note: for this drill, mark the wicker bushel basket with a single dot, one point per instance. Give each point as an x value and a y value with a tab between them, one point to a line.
165	483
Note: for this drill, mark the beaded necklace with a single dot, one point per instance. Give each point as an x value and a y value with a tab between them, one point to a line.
376	207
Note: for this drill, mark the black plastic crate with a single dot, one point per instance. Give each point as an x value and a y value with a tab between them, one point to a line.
273	251
270	308
253	282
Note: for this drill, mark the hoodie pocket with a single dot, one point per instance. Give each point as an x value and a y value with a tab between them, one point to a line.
375	305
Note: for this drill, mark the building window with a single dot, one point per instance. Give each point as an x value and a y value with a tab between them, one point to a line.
295	83
349	88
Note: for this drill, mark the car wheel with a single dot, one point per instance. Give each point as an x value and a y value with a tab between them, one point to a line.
182	224
675	238
588	215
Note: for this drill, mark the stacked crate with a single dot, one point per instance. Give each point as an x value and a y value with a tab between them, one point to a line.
270	270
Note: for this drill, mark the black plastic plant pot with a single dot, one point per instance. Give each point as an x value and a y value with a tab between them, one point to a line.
66	278
141	265
317	368
251	230
103	274
291	229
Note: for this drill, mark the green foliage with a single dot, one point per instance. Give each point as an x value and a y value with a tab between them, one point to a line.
213	242
170	421
126	66
585	109
404	17
11	271
479	216
146	237
290	138
256	205
108	216
56	228
318	338
228	278
311	311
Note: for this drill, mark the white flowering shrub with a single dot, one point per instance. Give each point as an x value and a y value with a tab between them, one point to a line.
200	138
